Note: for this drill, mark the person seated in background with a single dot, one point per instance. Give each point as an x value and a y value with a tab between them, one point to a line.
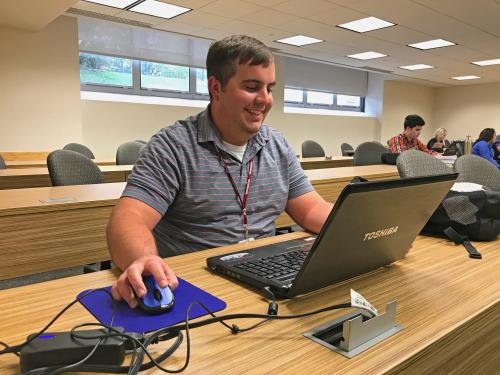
483	146
496	149
439	142
216	178
408	139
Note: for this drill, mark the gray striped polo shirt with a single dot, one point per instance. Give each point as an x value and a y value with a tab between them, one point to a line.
180	175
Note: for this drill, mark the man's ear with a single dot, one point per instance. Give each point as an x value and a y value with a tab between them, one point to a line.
214	87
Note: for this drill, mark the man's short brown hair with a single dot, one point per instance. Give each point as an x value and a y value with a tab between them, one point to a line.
223	56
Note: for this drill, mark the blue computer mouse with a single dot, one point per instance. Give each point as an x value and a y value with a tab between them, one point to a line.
157	300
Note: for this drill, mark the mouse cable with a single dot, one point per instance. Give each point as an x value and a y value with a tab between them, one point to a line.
79	366
167	332
160	336
17	348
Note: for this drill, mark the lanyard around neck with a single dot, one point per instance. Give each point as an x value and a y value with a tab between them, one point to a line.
242	201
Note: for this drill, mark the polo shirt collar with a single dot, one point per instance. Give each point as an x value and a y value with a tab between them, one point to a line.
208	132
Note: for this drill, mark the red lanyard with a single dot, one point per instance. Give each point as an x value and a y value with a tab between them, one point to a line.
243	202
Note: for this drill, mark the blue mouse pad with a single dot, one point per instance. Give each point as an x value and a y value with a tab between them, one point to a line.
100	305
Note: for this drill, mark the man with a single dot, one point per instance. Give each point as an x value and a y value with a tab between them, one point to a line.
408	140
214	179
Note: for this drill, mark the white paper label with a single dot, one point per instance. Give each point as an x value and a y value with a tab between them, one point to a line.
357	300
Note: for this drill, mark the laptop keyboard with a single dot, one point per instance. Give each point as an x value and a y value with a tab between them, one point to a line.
281	267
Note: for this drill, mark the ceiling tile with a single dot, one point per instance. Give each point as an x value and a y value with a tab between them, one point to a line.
97	8
336	15
269	17
193	4
202	19
302	26
266	3
485	14
304	8
231	8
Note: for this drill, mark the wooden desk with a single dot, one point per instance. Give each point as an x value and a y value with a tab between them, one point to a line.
24	155
42	163
448	304
320	163
39	177
54	235
40	235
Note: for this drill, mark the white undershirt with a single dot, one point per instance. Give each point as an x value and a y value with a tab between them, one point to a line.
237	151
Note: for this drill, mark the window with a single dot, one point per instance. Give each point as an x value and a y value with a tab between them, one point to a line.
164	77
295	97
317	97
201	81
348	101
120	75
105	70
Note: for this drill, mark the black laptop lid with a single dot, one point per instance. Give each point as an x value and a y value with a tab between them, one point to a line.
372	225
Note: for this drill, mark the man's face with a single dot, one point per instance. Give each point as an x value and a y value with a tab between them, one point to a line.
246	99
413	133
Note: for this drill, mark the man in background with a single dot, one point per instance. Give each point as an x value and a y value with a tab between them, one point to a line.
408	139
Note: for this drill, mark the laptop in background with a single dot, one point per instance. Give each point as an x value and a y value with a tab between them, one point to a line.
371	225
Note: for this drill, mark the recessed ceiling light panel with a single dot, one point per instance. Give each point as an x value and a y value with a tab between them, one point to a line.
299	40
367	55
159	9
463	78
429	44
417	67
487	62
113	3
366	24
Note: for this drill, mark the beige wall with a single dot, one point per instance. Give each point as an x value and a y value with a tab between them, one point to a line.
401	99
466	110
40	83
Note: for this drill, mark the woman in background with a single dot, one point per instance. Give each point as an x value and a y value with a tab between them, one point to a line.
438	143
483	146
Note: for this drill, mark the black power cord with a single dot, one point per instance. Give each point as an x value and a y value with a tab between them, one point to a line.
140	349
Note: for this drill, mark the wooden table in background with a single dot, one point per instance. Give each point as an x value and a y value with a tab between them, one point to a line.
14	178
42	163
49	228
320	163
448	304
24	155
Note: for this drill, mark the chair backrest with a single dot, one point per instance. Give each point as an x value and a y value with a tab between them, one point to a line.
460	149
68	167
368	153
415	163
346	149
140	141
473	168
128	152
2	163
312	149
81	149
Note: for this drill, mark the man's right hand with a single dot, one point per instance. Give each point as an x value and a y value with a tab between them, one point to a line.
132	278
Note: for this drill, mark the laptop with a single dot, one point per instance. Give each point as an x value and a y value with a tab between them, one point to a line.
371	225
450	152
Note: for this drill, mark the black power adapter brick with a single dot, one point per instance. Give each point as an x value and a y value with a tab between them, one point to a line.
61	349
